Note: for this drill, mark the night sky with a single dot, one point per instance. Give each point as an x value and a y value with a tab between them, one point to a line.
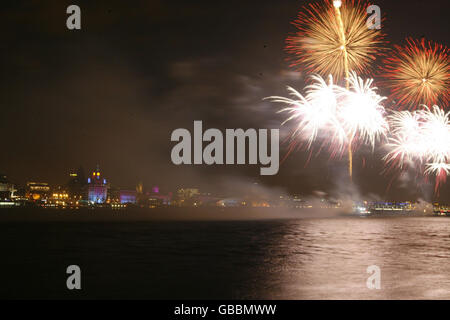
112	92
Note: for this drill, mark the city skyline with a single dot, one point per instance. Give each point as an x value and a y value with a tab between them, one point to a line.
243	188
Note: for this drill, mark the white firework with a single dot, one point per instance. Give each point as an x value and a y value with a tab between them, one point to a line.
337	115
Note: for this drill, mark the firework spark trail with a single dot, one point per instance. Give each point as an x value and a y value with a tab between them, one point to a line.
421	137
418	73
337	5
331	39
339	114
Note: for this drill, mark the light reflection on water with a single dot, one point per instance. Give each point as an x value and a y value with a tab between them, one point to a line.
271	259
327	259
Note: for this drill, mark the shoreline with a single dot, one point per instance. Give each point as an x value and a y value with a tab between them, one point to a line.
186	214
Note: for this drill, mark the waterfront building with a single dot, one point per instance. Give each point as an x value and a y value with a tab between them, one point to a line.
127	197
37	191
76	186
113	195
97	187
6	188
155	198
60	198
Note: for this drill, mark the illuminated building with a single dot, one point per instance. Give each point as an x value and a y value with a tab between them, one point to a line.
155	199
97	187
140	195
127	196
61	195
6	188
77	184
59	198
113	195
140	188
117	196
37	191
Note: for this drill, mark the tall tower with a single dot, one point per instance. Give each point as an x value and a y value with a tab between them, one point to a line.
97	187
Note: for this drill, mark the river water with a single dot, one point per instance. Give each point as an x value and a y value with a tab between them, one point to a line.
268	259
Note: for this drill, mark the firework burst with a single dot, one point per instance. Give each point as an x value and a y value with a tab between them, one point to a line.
334	114
361	111
421	138
418	73
329	43
316	112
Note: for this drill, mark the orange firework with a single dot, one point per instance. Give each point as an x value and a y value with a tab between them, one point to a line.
418	73
329	43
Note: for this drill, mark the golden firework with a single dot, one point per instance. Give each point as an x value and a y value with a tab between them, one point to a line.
418	73
320	45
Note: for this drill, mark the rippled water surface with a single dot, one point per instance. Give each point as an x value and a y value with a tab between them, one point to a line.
271	259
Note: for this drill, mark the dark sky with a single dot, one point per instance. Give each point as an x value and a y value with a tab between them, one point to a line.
112	92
